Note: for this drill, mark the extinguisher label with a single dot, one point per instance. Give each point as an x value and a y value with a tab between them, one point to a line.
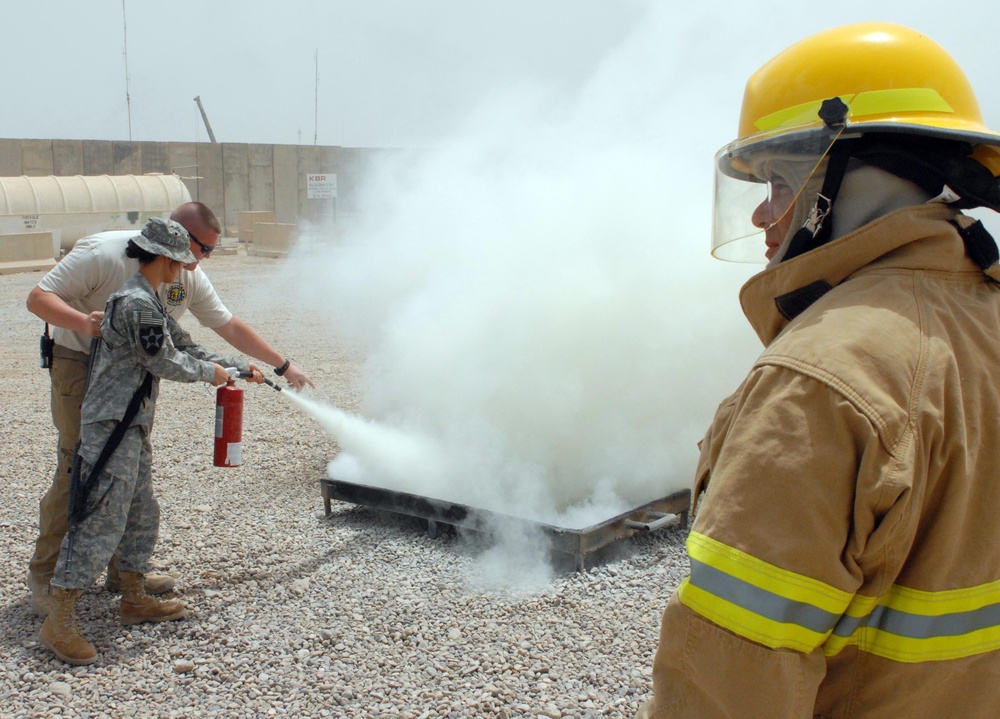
234	454
220	416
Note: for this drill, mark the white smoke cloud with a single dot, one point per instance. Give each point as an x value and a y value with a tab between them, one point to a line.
536	303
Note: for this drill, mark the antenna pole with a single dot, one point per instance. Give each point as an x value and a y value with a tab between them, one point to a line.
128	97
316	119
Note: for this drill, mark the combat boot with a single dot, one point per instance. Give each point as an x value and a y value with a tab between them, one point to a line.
59	632
41	599
137	606
154	582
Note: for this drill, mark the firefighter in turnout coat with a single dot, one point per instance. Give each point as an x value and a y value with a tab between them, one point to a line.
113	509
844	556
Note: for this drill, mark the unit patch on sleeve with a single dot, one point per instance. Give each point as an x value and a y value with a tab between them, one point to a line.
151	331
176	294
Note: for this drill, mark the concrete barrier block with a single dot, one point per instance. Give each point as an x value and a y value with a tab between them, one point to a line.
27	252
247	220
272	239
226	246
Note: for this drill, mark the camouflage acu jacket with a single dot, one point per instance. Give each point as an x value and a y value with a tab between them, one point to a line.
138	335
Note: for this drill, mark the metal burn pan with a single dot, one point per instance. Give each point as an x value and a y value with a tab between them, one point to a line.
579	544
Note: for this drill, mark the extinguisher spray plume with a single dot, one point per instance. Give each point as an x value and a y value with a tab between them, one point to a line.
394	454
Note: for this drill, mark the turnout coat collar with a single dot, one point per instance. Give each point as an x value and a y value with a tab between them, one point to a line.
907	238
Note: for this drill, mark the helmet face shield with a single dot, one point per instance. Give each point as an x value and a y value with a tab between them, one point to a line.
758	181
734	236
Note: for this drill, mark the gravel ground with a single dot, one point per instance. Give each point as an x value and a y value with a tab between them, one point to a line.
293	613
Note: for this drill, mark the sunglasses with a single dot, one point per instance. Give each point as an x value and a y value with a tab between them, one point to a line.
206	250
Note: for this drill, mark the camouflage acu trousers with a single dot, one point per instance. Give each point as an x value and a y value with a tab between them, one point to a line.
126	516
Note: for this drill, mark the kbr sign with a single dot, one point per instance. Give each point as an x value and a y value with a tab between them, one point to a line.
321	186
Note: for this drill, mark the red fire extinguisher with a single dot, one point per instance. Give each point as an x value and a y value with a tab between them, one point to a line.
229	425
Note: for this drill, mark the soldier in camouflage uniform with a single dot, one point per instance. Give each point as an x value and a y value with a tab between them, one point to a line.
120	515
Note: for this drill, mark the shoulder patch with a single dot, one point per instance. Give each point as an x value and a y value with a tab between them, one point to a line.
151	331
176	294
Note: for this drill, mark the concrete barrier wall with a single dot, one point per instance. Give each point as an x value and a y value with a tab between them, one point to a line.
247	220
228	177
272	239
27	252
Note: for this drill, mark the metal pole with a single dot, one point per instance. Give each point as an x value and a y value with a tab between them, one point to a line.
128	97
316	120
211	135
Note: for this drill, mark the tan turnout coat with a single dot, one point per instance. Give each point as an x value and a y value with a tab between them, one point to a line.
846	555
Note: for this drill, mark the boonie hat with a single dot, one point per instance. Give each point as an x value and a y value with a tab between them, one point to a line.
168	238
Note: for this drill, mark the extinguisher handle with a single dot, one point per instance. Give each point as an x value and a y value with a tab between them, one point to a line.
235	373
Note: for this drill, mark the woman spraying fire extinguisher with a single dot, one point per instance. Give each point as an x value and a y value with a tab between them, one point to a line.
112	509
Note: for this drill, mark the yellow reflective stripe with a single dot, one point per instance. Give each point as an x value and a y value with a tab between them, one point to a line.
906	649
910	625
758	600
806	113
865	104
781	609
791	586
888	102
950	601
746	623
909	650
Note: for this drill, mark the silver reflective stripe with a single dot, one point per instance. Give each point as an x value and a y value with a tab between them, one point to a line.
760	601
916	626
887	619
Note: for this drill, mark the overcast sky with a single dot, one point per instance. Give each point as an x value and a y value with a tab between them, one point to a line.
398	72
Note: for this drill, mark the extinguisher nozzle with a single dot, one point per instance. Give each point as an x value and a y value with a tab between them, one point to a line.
272	383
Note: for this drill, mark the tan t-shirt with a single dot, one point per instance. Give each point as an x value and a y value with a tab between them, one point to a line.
97	266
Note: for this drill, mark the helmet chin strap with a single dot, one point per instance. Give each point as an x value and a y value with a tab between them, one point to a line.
816	230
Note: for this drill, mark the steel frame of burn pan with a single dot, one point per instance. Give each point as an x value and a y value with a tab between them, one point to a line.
580	544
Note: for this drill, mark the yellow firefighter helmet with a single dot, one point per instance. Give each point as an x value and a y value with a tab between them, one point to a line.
885	78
